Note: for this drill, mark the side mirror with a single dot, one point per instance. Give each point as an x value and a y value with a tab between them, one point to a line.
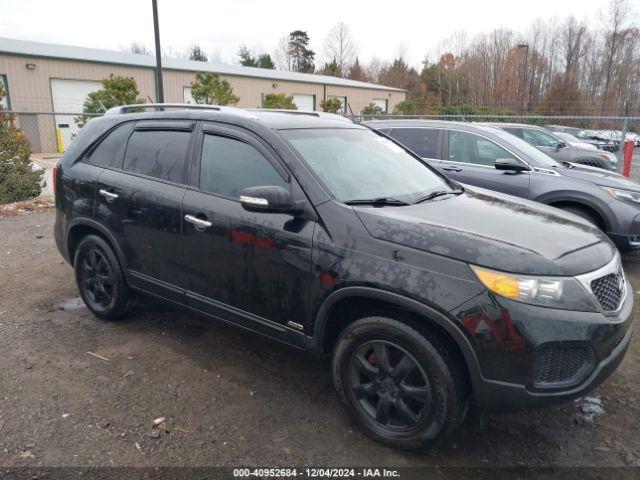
267	200
510	164
560	145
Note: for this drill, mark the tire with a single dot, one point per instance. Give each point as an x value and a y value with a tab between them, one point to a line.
422	375
584	214
100	280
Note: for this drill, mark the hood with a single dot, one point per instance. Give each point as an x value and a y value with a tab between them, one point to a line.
599	176
495	231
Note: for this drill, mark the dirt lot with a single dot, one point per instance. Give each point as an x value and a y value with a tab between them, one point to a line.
229	398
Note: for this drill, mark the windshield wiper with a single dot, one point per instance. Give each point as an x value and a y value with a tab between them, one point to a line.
438	193
378	202
568	164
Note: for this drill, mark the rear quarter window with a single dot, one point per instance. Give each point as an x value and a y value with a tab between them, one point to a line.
108	153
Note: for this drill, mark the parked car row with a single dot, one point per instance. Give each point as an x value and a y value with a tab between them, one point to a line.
492	157
608	140
425	293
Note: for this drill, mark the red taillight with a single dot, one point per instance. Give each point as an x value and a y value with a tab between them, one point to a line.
55	176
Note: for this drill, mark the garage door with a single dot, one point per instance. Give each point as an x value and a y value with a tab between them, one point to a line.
69	96
304	102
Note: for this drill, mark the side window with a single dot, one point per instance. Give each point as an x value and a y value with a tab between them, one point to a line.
538	138
109	150
422	141
228	166
158	153
471	148
514	131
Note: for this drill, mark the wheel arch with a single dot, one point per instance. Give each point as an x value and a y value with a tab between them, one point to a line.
579	200
81	227
430	318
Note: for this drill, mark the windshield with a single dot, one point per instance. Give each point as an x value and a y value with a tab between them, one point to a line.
536	157
539	138
567	137
358	164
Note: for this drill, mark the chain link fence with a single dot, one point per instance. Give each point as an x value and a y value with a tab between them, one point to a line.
51	133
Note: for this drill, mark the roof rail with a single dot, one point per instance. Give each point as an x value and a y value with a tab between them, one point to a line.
186	106
311	113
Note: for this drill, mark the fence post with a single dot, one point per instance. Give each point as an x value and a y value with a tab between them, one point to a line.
625	127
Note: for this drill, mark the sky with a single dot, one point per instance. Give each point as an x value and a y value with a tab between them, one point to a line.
382	29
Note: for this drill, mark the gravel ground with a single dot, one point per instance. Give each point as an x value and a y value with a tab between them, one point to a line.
229	398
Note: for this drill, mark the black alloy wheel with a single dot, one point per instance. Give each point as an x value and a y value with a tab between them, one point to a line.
390	385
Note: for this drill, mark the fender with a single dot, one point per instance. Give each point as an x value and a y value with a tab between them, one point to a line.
414	306
579	198
90	222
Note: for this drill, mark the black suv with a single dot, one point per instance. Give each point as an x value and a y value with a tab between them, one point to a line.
426	296
492	158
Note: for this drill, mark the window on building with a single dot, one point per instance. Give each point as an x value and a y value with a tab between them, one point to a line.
383	103
4	99
467	147
423	142
108	153
158	153
228	166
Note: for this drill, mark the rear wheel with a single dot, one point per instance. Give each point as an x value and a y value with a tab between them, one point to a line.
100	279
404	389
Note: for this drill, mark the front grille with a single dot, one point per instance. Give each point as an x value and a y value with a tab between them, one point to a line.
560	365
608	290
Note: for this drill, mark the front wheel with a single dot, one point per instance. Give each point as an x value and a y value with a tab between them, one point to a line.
100	279
405	390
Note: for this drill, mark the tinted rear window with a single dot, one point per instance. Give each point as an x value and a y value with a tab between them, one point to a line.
421	141
109	152
158	153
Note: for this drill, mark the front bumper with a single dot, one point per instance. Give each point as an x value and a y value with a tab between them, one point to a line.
511	340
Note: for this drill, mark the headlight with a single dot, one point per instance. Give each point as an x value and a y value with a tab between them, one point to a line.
624	195
556	292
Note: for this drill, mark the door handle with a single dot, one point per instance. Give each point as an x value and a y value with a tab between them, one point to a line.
198	222
109	196
451	168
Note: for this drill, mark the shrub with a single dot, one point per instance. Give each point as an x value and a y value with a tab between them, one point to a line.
279	101
209	89
331	105
18	181
405	107
372	109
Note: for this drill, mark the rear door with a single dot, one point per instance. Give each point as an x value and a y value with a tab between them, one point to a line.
470	158
140	200
424	142
251	268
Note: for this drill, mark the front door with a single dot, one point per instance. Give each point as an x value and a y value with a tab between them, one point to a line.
251	268
141	202
470	158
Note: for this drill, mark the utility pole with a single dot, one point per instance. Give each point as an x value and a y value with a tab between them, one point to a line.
156	29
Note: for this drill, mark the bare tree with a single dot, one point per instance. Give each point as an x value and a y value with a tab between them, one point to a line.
339	46
137	48
281	54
